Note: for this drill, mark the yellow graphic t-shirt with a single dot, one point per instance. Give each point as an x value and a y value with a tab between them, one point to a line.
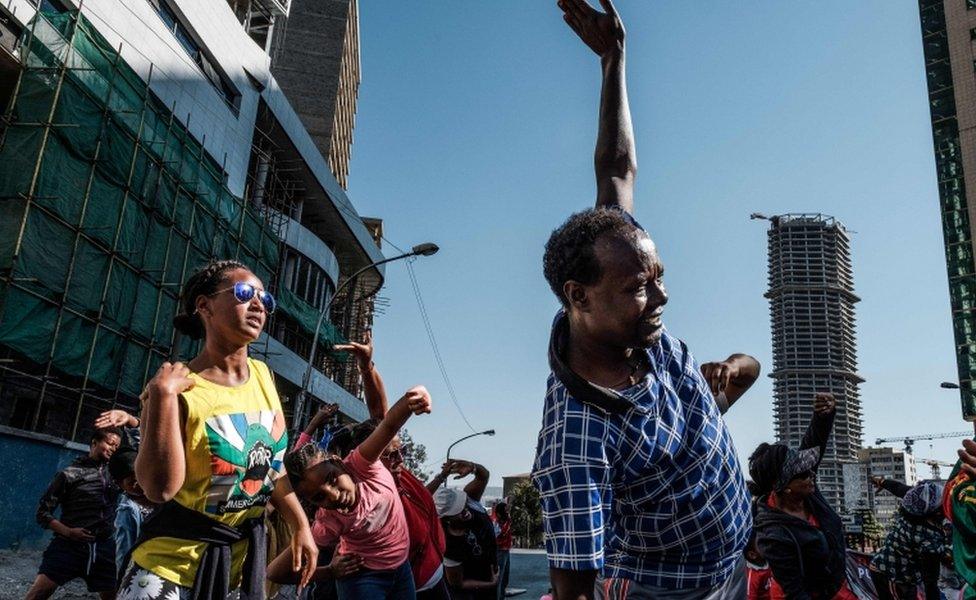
235	443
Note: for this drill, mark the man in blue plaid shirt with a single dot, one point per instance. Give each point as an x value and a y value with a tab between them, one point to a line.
642	493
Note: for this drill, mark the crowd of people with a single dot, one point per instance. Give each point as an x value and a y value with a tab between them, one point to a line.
202	495
192	500
642	492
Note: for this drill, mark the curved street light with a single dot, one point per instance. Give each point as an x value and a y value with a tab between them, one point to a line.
425	249
456	442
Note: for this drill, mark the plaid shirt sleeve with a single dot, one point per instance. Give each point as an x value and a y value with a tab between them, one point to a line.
575	500
573	476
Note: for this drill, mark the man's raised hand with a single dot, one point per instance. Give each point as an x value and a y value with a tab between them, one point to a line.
603	32
115	418
418	400
967	454
824	403
362	351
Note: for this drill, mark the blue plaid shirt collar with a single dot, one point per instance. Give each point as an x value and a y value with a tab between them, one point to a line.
648	488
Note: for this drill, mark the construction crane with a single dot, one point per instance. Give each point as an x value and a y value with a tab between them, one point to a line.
935	465
909	440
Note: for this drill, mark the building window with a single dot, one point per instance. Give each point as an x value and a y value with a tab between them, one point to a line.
970	4
49	6
306	279
181	32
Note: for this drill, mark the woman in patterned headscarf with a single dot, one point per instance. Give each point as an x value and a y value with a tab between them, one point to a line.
797	531
915	545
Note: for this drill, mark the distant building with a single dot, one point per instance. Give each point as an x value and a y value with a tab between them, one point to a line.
860	493
315	58
811	303
509	482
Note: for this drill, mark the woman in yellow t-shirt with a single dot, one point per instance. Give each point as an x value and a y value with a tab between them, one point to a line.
213	440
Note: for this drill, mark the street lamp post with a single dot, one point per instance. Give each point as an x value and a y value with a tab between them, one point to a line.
948	385
426	249
486	432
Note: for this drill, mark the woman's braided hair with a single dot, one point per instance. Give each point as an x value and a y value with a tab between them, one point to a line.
203	282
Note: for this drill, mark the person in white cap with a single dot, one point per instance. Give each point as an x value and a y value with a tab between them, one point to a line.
470	561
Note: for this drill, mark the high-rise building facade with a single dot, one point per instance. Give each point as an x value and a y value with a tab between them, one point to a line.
315	59
860	493
140	139
948	34
811	300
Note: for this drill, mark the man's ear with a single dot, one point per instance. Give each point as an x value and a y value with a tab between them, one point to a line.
576	296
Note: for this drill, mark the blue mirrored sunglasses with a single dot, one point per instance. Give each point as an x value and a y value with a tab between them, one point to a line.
244	293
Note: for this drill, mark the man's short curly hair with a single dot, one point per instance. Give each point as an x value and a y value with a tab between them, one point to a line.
569	252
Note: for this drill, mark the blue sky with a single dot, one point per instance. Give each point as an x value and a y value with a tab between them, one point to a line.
475	130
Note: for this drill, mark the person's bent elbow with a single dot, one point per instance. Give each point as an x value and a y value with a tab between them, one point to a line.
160	493
159	487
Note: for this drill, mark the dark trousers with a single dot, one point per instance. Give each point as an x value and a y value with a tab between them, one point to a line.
395	584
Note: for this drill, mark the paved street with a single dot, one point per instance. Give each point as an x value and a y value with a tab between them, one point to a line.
17	571
530	571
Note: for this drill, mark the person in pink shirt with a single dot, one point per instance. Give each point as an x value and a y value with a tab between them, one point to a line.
359	507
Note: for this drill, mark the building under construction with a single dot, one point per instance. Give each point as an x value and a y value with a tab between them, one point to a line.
811	301
141	139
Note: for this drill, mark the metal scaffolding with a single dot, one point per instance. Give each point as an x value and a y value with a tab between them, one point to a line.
107	203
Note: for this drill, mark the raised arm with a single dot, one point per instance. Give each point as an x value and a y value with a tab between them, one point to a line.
319	420
731	378
373	387
416	401
161	464
821	424
475	488
892	486
615	158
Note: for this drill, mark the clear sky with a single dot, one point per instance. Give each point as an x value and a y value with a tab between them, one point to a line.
475	130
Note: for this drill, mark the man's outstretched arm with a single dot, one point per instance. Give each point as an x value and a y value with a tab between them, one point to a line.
615	159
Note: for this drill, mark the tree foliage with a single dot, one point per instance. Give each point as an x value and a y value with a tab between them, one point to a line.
525	508
414	456
870	531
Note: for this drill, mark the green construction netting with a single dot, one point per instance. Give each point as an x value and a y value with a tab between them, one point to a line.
307	316
117	203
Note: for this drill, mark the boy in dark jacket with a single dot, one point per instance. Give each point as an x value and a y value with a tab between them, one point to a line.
83	544
798	533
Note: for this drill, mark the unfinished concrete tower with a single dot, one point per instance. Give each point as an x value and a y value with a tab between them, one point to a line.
811	302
